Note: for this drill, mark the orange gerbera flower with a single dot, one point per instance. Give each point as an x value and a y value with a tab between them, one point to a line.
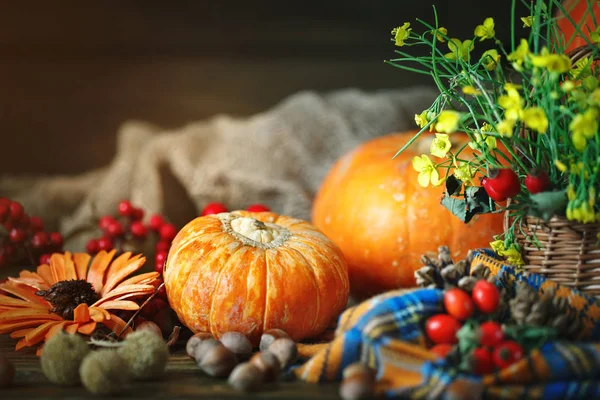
72	294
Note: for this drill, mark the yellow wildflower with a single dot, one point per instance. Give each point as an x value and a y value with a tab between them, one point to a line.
571	195
480	140
401	33
485	30
535	118
567	86
595	98
527	21
465	173
595	36
421	119
506	127
460	50
497	246
486	127
585	124
561	166
470	90
440	33
427	171
511	102
582	68
513	256
440	145
583	213
552	62
447	121
490	59
519	55
590	83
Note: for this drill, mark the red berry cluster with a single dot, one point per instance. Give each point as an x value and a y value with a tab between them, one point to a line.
217	208
117	230
25	239
503	183
493	350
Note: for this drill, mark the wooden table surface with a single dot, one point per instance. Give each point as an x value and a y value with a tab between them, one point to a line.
182	380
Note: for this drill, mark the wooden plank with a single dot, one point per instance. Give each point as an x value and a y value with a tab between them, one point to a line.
182	379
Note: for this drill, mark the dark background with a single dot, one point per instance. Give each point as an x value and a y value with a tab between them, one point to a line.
71	72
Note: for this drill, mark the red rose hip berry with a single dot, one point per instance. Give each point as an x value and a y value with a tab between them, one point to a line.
258	208
138	229
504	182
92	246
491	334
168	232
483	362
155	222
507	353
441	350
213	208
442	328
537	181
458	303
125	208
486	296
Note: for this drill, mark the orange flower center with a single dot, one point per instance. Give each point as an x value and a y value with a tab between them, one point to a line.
65	296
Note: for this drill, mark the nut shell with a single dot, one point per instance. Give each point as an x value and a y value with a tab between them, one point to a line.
268	363
203	347
218	361
238	343
358	387
268	337
359	369
246	377
194	341
285	350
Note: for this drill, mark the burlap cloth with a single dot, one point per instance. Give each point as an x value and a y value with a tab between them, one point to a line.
278	157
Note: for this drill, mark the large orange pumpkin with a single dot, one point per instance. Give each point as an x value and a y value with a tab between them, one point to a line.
373	208
250	272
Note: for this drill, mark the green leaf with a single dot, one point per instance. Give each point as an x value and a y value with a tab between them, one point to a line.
477	201
453	186
547	204
458	207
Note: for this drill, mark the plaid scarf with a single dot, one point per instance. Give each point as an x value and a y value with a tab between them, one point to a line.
385	333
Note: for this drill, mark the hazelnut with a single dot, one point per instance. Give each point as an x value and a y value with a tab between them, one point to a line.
238	343
61	357
203	347
7	372
218	361
194	341
270	336
149	326
246	377
268	363
357	387
359	369
285	350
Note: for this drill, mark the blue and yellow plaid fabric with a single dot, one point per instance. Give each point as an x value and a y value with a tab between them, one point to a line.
385	332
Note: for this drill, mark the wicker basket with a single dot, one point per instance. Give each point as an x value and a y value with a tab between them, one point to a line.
564	251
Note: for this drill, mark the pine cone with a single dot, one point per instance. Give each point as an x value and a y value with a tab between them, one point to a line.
529	307
425	276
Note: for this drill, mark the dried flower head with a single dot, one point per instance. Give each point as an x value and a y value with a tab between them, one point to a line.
145	353
61	357
104	372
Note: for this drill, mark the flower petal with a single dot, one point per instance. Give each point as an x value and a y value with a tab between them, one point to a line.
87	329
99	314
57	267
116	324
20	333
72	329
44	271
142	279
14	325
12	302
21	314
81	313
99	265
38	334
24	292
120	305
116	275
56	328
81	261
423	179
128	291
69	267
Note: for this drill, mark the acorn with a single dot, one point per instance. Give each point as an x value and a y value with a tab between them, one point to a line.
238	344
104	372
218	361
194	341
7	372
149	326
203	347
246	377
268	363
285	350
268	337
359	369
357	387
61	357
146	354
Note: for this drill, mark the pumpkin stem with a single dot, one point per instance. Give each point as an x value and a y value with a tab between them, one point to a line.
253	232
